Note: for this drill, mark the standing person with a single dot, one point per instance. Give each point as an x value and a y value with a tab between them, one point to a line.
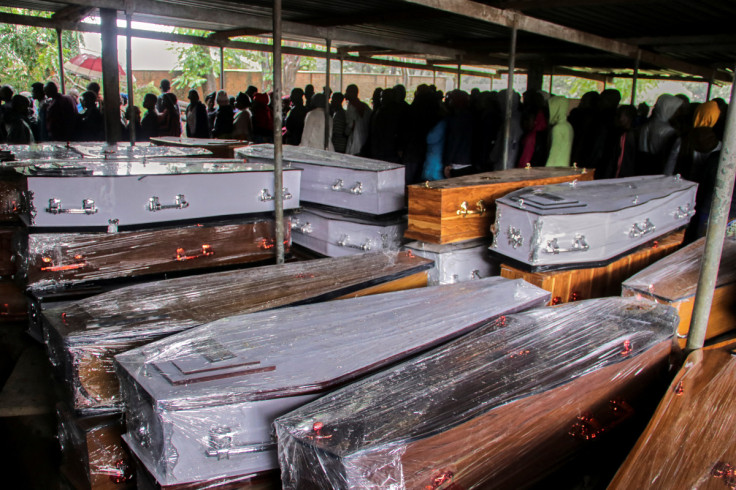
197	122
357	118
243	122
91	122
308	94
534	122
339	140
385	129
496	158
17	127
61	115
459	135
433	163
560	133
262	119
165	87
657	136
169	123
41	105
251	92
223	125
149	123
294	121
314	125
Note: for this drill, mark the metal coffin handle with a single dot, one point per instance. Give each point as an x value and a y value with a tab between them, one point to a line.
265	195
579	244
339	186
464	211
88	207
220	445
154	204
344	241
640	229
303	228
182	255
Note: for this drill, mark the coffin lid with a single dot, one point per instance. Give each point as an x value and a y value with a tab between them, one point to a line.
391	220
310	348
173	305
597	196
198	141
514	357
675	277
124	152
448	247
42	151
313	156
501	177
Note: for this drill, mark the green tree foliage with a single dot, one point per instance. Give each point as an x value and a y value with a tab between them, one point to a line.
30	54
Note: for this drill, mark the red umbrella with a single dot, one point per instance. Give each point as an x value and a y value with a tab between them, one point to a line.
88	66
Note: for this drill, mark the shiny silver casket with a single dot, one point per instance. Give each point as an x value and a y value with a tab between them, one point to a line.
588	223
456	262
200	404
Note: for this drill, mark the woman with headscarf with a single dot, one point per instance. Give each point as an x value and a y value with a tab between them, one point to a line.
197	124
534	123
693	149
168	120
357	121
313	135
243	121
657	136
223	125
560	133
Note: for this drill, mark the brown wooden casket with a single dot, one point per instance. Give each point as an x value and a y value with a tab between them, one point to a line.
496	408
63	259
92	452
13	303
674	281
689	442
82	337
463	208
597	282
224	148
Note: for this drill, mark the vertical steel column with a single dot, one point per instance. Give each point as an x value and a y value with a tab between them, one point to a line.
278	155
129	68
110	75
222	68
707	92
509	99
62	82
342	59
434	77
459	74
551	77
717	221
327	95
635	78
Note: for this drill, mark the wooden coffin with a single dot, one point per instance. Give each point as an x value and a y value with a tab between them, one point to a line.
496	408
52	260
7	262
462	208
346	182
92	451
124	151
239	373
674	281
218	148
689	443
135	193
13	303
83	337
456	262
588	224
597	282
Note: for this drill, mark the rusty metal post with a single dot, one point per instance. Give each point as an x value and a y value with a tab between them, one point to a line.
110	75
707	92
551	79
717	221
222	68
459	74
62	82
509	99
635	78
129	68
327	96
342	60
278	150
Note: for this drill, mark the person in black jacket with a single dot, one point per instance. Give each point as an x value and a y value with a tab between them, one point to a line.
197	123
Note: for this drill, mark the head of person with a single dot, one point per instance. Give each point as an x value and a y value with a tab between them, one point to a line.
20	104
6	93
37	91
209	100
89	100
610	98
399	93
51	90
337	100
251	91
706	115
170	101
165	85
319	101
242	101
123	99
149	101
74	94
297	97
589	100
222	98
94	87
625	116
309	91
388	97
351	92
376	97
193	96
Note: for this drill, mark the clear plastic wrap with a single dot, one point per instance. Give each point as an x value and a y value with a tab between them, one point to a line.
82	337
220	148
457	262
689	442
674	281
199	405
497	407
8	264
54	260
42	151
92	451
126	151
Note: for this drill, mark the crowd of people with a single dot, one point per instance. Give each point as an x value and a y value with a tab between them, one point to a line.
435	136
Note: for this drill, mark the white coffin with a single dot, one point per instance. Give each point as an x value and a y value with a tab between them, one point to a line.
200	404
97	194
584	223
456	262
342	181
125	151
337	235
42	151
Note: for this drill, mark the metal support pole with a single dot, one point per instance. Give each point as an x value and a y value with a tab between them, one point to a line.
635	78
110	75
491	88
509	99
551	77
129	68
327	96
714	237
707	92
459	75
222	68
278	150
434	78
61	61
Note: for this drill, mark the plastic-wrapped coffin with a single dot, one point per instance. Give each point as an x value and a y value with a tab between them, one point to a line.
42	151
674	281
224	148
200	404
457	262
82	337
336	235
689	441
50	260
338	180
588	223
462	208
498	407
127	152
118	193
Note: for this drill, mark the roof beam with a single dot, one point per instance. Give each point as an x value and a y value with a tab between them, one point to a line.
383	16
222	35
547	4
670	40
264	23
507	18
72	13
